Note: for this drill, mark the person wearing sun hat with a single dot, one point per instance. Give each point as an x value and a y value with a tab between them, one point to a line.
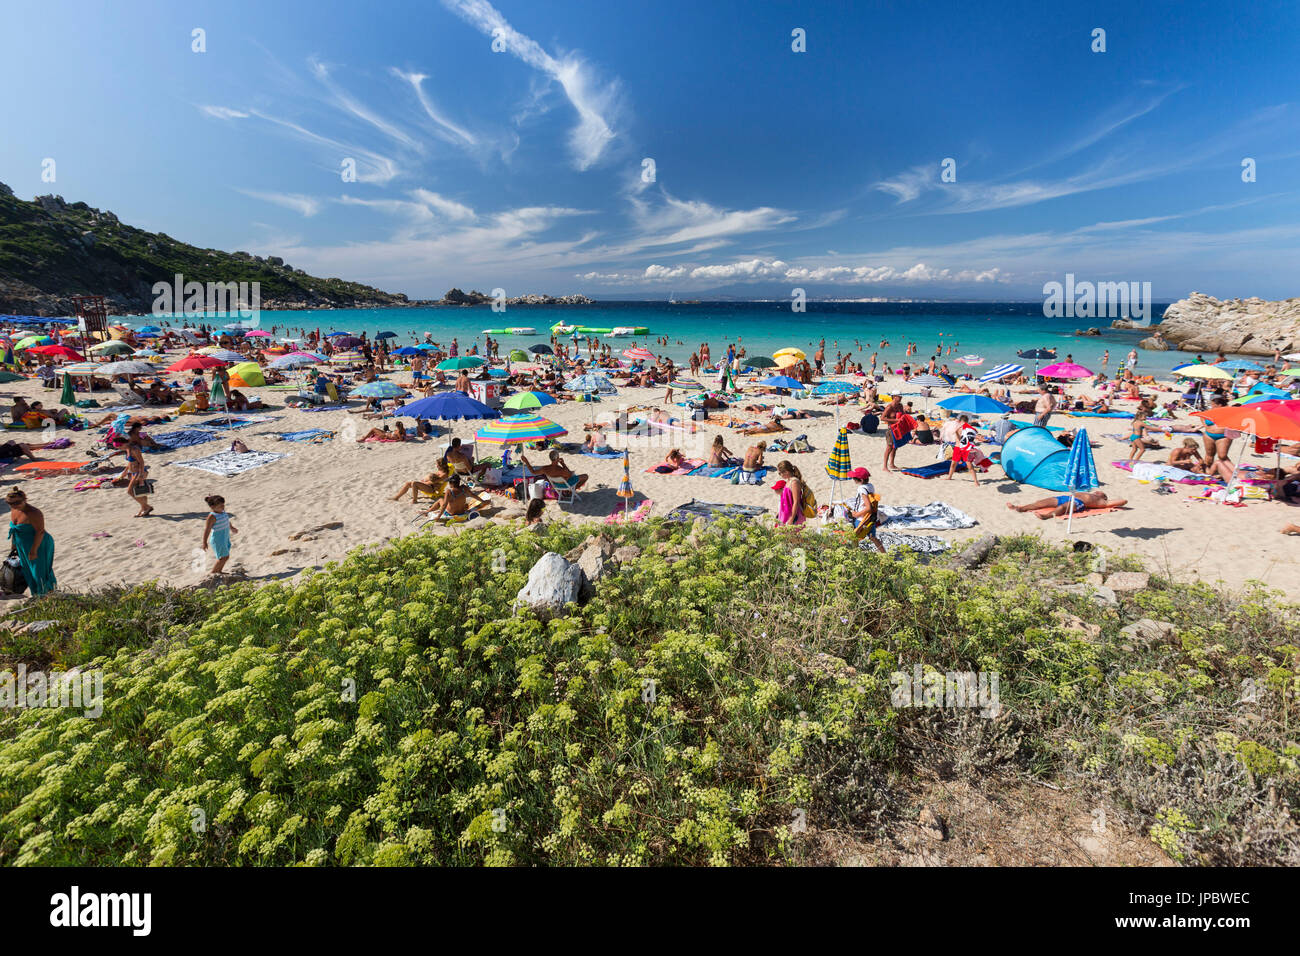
864	508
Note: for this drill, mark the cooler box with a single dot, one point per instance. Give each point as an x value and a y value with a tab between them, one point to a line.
489	393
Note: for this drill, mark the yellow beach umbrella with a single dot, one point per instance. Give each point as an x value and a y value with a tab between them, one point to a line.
1204	371
246	374
799	356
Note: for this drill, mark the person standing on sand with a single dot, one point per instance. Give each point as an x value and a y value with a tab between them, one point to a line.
965	451
217	530
1044	407
897	433
33	546
137	472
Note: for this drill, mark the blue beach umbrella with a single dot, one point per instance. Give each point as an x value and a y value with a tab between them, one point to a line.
379	390
974	405
385	335
448	406
1080	470
781	381
1239	365
408	350
591	383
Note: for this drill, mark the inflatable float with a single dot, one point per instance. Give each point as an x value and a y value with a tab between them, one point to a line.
520	330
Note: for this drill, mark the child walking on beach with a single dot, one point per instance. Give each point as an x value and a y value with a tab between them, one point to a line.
218	530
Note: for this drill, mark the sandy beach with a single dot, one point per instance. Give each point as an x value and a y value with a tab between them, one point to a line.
324	499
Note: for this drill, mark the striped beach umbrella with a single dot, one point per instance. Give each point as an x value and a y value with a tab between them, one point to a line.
835	388
839	466
379	389
625	486
928	381
1001	371
518	430
639	355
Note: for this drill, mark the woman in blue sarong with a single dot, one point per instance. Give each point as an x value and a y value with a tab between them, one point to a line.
33	547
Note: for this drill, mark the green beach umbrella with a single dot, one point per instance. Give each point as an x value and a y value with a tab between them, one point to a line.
519	355
11	377
218	394
456	364
113	347
525	401
760	361
69	397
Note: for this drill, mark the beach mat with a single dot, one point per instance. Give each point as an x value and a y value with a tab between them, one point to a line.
52	466
1100	414
936	516
1085	513
1155	471
307	434
711	511
230	463
920	543
239	421
612	454
933	471
185	438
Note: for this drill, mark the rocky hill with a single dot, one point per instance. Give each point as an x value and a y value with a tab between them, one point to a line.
51	250
1202	323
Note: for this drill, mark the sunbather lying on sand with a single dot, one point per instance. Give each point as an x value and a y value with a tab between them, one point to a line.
397	433
1083	500
430	484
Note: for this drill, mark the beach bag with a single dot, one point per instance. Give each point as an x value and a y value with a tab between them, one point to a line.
12	579
799	445
809	503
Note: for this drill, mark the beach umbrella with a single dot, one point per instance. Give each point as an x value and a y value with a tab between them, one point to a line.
625	486
29	341
971	360
1080	470
591	383
639	355
463	362
427	347
1239	365
519	430
257	334
379	389
57	351
517	355
1272	419
781	381
760	361
148	330
794	353
525	401
448	406
541	349
295	360
385	335
113	347
11	377
407	350
1000	372
786	361
1262	392
338	335
1065	370
1037	354
81	368
1292	372
928	381
1204	371
127	367
69	396
146	353
347	342
247	375
194	361
838	466
974	405
224	354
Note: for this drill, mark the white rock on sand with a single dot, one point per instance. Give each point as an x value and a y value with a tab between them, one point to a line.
343	481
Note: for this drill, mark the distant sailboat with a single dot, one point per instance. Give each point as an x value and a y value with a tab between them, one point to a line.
671	300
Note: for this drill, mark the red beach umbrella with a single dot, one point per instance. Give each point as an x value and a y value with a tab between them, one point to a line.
194	361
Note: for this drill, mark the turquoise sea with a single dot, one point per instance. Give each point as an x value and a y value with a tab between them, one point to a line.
996	331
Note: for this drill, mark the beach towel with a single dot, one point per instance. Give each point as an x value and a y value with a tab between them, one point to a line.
612	454
238	421
714	471
230	463
1154	471
325	408
933	471
185	438
308	434
920	543
1100	414
1084	513
936	516
688	465
710	511
641	512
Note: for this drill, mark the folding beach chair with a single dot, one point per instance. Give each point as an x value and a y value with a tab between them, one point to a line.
565	492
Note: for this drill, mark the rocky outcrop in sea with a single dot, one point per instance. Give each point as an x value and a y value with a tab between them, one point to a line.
1202	323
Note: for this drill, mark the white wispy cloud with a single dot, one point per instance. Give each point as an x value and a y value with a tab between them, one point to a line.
372	167
596	101
416	81
349	104
303	205
223	112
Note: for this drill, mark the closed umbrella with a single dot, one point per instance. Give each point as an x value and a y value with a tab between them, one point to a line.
1080	470
625	486
69	397
838	466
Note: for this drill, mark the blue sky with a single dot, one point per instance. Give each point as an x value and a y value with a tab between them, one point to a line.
523	169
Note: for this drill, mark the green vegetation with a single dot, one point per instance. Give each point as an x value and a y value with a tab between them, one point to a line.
50	250
392	709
